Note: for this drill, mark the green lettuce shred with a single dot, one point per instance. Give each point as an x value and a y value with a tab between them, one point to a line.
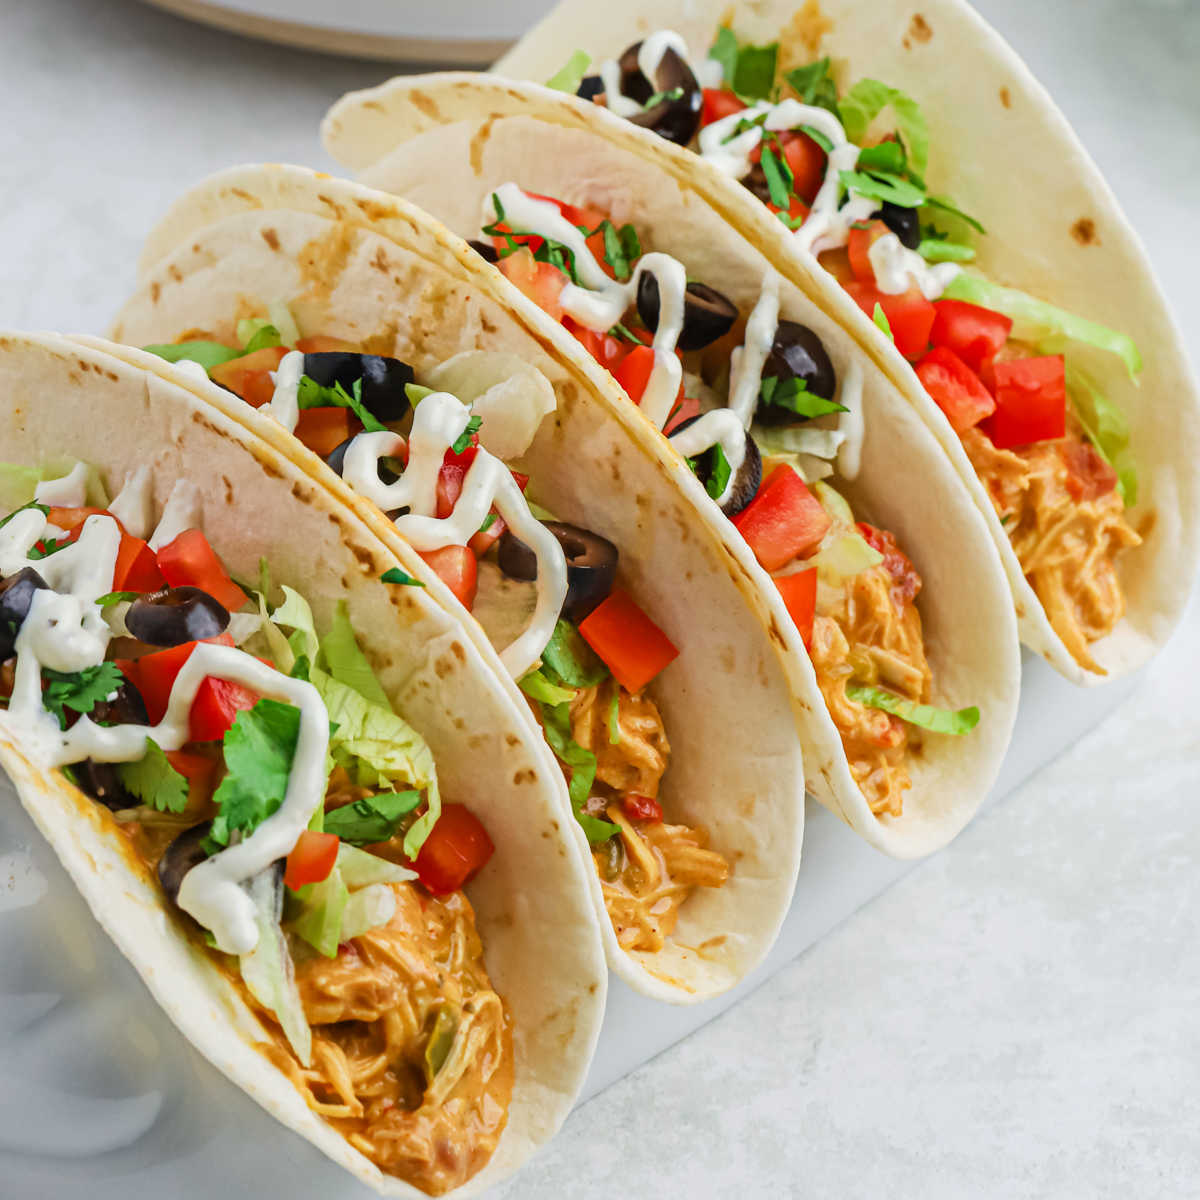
570	75
868	98
1107	429
937	720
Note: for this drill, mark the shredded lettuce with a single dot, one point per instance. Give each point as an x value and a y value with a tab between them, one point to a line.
569	76
937	720
569	661
938	250
880	319
556	723
342	657
1106	427
537	687
319	921
367	909
1034	319
207	354
868	98
256	334
360	869
281	317
17	485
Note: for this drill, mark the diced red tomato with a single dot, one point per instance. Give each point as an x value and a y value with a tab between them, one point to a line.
215	708
457	568
311	859
783	521
807	161
633	372
450	478
799	592
137	567
628	642
325	428
910	315
641	808
955	388
906	583
837	263
457	847
541	282
321	344
1089	476
189	560
718	103
154	674
1031	402
197	769
249	376
858	247
607	350
974	333
685	409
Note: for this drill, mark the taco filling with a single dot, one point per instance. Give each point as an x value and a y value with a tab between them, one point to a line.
1050	448
418	454
753	403
292	819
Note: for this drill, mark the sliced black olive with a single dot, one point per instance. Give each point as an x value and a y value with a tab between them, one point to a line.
173	616
591	565
756	181
337	460
180	856
101	782
126	707
676	116
903	222
590	86
797	353
16	596
745	482
485	250
383	379
707	314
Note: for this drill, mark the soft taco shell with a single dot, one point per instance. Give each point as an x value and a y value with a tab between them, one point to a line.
60	397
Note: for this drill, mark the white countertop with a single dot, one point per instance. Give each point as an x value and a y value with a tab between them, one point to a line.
1018	1016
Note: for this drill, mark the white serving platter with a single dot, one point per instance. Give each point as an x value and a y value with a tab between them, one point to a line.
99	1096
462	32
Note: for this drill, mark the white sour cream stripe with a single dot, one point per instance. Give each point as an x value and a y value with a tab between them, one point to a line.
747	361
650	57
438	423
284	404
897	268
64	630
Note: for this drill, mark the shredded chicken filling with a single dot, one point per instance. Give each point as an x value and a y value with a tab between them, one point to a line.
650	867
869	632
1066	522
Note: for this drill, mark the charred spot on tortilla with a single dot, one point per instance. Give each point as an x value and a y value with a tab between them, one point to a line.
918	31
1006	97
271	238
1084	232
155	291
479	140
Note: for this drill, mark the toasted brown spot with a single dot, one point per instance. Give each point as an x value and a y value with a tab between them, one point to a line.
1084	231
1006	97
155	291
249	197
175	273
526	775
511	739
478	141
271	238
426	104
918	31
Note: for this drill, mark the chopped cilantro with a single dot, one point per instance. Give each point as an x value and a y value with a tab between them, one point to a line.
42	508
395	575
883	185
719	472
154	781
488	522
937	720
464	439
818	137
793	394
48	546
258	758
887	156
619	331
621	247
373	818
814	85
311	394
778	175
80	691
749	70
111	598
659	97
549	251
570	75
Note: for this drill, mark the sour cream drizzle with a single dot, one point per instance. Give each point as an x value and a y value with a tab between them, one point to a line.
65	630
284	404
438	422
650	57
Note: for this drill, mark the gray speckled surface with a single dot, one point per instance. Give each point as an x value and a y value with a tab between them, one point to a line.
1017	1017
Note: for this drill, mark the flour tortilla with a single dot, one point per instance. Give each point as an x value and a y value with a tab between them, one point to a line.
357	264
63	398
1004	151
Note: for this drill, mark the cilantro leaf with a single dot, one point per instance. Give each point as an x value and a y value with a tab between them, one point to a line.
80	691
556	724
42	508
814	85
373	818
887	156
725	51
880	319
622	248
258	749
111	598
154	781
779	177
659	97
882	185
395	575
311	394
718	473
749	70
793	394
569	661
937	720
47	547
818	137
620	331
868	98
464	439
570	75
207	354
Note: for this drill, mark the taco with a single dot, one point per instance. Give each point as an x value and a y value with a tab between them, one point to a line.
862	765
655	678
271	772
920	172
